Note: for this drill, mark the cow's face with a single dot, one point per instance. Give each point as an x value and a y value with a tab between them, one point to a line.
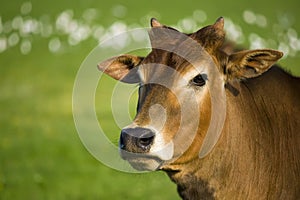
176	81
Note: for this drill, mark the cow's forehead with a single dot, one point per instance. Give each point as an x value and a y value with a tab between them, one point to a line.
167	68
170	59
162	64
181	63
174	52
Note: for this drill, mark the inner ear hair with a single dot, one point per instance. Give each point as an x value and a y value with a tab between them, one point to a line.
251	63
130	61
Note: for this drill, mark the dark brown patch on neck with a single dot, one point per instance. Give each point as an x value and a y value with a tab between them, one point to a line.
191	187
232	89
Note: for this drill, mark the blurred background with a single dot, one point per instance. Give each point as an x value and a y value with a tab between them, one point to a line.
42	45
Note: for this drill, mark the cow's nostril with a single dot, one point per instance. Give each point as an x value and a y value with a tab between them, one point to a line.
137	140
145	141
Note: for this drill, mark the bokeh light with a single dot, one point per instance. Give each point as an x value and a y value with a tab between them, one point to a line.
73	30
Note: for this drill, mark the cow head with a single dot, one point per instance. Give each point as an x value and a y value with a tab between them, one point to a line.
176	80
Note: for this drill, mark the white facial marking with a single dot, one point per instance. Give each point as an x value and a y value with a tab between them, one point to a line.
160	148
166	151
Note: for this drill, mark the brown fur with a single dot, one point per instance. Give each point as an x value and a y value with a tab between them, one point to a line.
257	156
258	153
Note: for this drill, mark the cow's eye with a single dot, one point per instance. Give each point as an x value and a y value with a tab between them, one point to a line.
198	80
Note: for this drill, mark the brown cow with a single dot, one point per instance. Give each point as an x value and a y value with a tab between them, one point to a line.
257	155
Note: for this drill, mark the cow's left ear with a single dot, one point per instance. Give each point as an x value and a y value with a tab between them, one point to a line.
251	63
122	68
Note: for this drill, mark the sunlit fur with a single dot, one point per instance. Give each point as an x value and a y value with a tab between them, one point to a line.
258	153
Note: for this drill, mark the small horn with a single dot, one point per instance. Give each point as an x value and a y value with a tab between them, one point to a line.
155	23
219	24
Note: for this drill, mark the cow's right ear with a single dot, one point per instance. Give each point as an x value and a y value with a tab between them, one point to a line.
122	68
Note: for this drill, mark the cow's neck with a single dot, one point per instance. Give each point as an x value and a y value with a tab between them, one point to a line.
203	178
190	186
216	176
206	178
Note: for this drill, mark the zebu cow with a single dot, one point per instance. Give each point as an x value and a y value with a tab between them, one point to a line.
257	155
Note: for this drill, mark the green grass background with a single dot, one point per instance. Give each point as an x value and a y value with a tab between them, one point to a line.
41	155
